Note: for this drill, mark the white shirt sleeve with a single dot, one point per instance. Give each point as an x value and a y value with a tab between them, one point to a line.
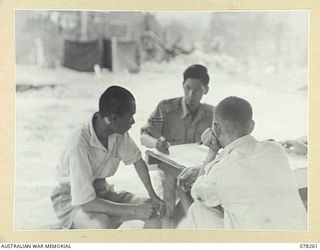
81	177
128	150
205	191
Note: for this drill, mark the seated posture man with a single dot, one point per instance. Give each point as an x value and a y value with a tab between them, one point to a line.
180	120
249	185
183	119
83	198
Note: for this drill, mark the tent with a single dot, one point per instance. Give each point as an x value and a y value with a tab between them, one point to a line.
114	54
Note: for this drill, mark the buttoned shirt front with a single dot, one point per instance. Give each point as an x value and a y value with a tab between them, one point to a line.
85	159
172	120
254	184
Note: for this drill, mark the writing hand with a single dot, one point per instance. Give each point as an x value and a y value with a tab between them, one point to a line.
162	145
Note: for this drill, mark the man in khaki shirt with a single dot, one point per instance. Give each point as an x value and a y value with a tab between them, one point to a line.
83	198
183	119
180	120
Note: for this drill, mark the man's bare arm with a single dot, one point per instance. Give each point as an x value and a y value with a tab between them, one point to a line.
137	211
142	171
147	140
150	142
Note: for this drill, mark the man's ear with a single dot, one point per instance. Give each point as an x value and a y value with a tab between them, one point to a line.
206	90
216	129
110	118
251	126
106	120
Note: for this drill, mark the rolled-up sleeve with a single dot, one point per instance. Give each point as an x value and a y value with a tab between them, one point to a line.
154	127
128	150
81	176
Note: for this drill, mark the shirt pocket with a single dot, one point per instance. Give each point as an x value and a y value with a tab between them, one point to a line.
174	131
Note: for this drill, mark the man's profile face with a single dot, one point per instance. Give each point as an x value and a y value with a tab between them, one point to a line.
124	122
194	89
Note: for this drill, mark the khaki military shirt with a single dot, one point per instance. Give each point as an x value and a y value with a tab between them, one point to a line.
172	120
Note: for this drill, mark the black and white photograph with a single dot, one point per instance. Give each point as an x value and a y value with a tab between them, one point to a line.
186	120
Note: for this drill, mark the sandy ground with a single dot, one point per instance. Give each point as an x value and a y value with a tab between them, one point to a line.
46	115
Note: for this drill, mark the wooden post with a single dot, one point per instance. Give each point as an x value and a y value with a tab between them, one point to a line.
40	52
83	25
114	54
169	196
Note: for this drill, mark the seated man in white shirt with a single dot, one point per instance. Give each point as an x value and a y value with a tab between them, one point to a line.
83	198
249	184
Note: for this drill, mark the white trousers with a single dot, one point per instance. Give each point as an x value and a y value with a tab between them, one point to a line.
201	217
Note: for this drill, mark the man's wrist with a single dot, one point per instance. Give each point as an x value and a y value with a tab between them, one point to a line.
196	170
153	195
133	210
153	142
129	209
214	148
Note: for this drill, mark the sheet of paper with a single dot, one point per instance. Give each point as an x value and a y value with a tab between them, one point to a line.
193	154
188	155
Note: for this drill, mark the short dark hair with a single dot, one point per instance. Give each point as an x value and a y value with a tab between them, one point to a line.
116	100
197	71
235	110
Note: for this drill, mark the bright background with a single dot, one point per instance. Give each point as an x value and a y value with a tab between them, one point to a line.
269	69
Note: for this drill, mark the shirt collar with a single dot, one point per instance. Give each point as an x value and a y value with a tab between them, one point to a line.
94	141
185	111
238	142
